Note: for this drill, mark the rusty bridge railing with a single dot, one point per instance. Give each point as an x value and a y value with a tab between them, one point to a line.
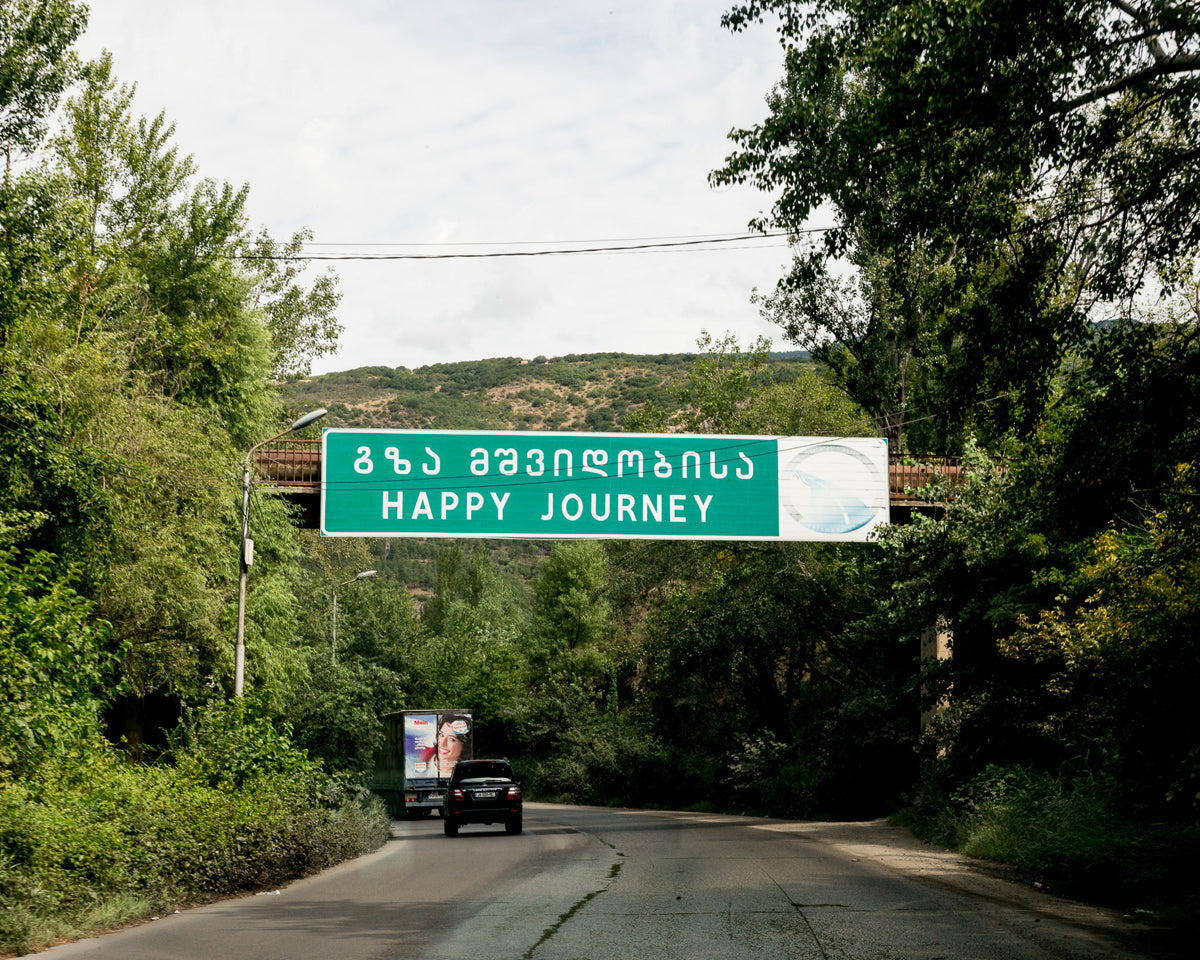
907	474
295	465
291	463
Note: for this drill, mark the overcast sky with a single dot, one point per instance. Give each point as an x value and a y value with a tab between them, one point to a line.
477	126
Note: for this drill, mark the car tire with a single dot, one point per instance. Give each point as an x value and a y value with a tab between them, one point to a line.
450	827
513	824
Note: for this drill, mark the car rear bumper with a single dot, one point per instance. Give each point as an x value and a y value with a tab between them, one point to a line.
483	814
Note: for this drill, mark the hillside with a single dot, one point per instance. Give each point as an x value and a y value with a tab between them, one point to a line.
591	392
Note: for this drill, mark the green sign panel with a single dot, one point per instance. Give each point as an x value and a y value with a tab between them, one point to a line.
416	483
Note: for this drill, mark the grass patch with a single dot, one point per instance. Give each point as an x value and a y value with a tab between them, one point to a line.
1073	836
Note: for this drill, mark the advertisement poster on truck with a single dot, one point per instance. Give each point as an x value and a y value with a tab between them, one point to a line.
434	742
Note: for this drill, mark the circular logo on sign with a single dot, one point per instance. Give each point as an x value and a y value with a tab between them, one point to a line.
822	500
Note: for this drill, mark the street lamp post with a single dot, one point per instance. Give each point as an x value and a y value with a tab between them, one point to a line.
247	551
361	576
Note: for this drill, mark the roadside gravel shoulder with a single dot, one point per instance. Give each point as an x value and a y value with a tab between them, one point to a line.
896	848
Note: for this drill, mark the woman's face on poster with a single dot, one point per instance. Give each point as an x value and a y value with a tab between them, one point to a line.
449	746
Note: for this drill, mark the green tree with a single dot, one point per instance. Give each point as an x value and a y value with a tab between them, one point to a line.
459	578
470	663
1052	102
142	356
570	607
727	390
744	665
135	361
878	332
150	266
718	383
53	663
1122	429
36	65
302	321
807	406
335	712
1031	160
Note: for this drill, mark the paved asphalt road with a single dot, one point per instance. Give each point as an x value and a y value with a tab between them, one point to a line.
586	883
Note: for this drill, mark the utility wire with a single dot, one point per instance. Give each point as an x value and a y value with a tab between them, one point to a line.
715	237
697	244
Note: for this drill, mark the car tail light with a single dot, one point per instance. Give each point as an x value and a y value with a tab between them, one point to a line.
514	793
457	795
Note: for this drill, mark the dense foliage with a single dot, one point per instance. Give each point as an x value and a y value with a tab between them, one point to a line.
92	840
996	171
999	195
136	350
1013	196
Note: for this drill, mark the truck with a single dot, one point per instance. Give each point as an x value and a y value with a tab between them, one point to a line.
420	749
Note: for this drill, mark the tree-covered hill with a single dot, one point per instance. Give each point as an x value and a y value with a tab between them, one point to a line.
591	392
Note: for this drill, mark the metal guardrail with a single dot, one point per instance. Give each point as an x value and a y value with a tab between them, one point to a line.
295	466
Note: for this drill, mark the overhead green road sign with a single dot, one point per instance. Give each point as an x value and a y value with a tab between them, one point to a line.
542	485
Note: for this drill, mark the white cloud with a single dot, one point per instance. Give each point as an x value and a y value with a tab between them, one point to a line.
475	122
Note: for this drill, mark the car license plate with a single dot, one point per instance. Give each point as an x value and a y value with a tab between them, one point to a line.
485	794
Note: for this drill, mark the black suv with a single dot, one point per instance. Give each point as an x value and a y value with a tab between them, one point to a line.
482	791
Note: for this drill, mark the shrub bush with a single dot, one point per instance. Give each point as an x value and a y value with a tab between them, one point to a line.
1073	834
97	836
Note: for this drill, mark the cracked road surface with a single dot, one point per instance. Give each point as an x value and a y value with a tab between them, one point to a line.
586	883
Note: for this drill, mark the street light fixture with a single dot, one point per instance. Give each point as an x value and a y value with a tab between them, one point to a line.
247	558
361	576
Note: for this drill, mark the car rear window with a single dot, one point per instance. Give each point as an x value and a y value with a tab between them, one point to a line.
482	771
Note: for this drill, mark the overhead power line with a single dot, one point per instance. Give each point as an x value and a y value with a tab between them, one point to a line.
694	243
553	242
